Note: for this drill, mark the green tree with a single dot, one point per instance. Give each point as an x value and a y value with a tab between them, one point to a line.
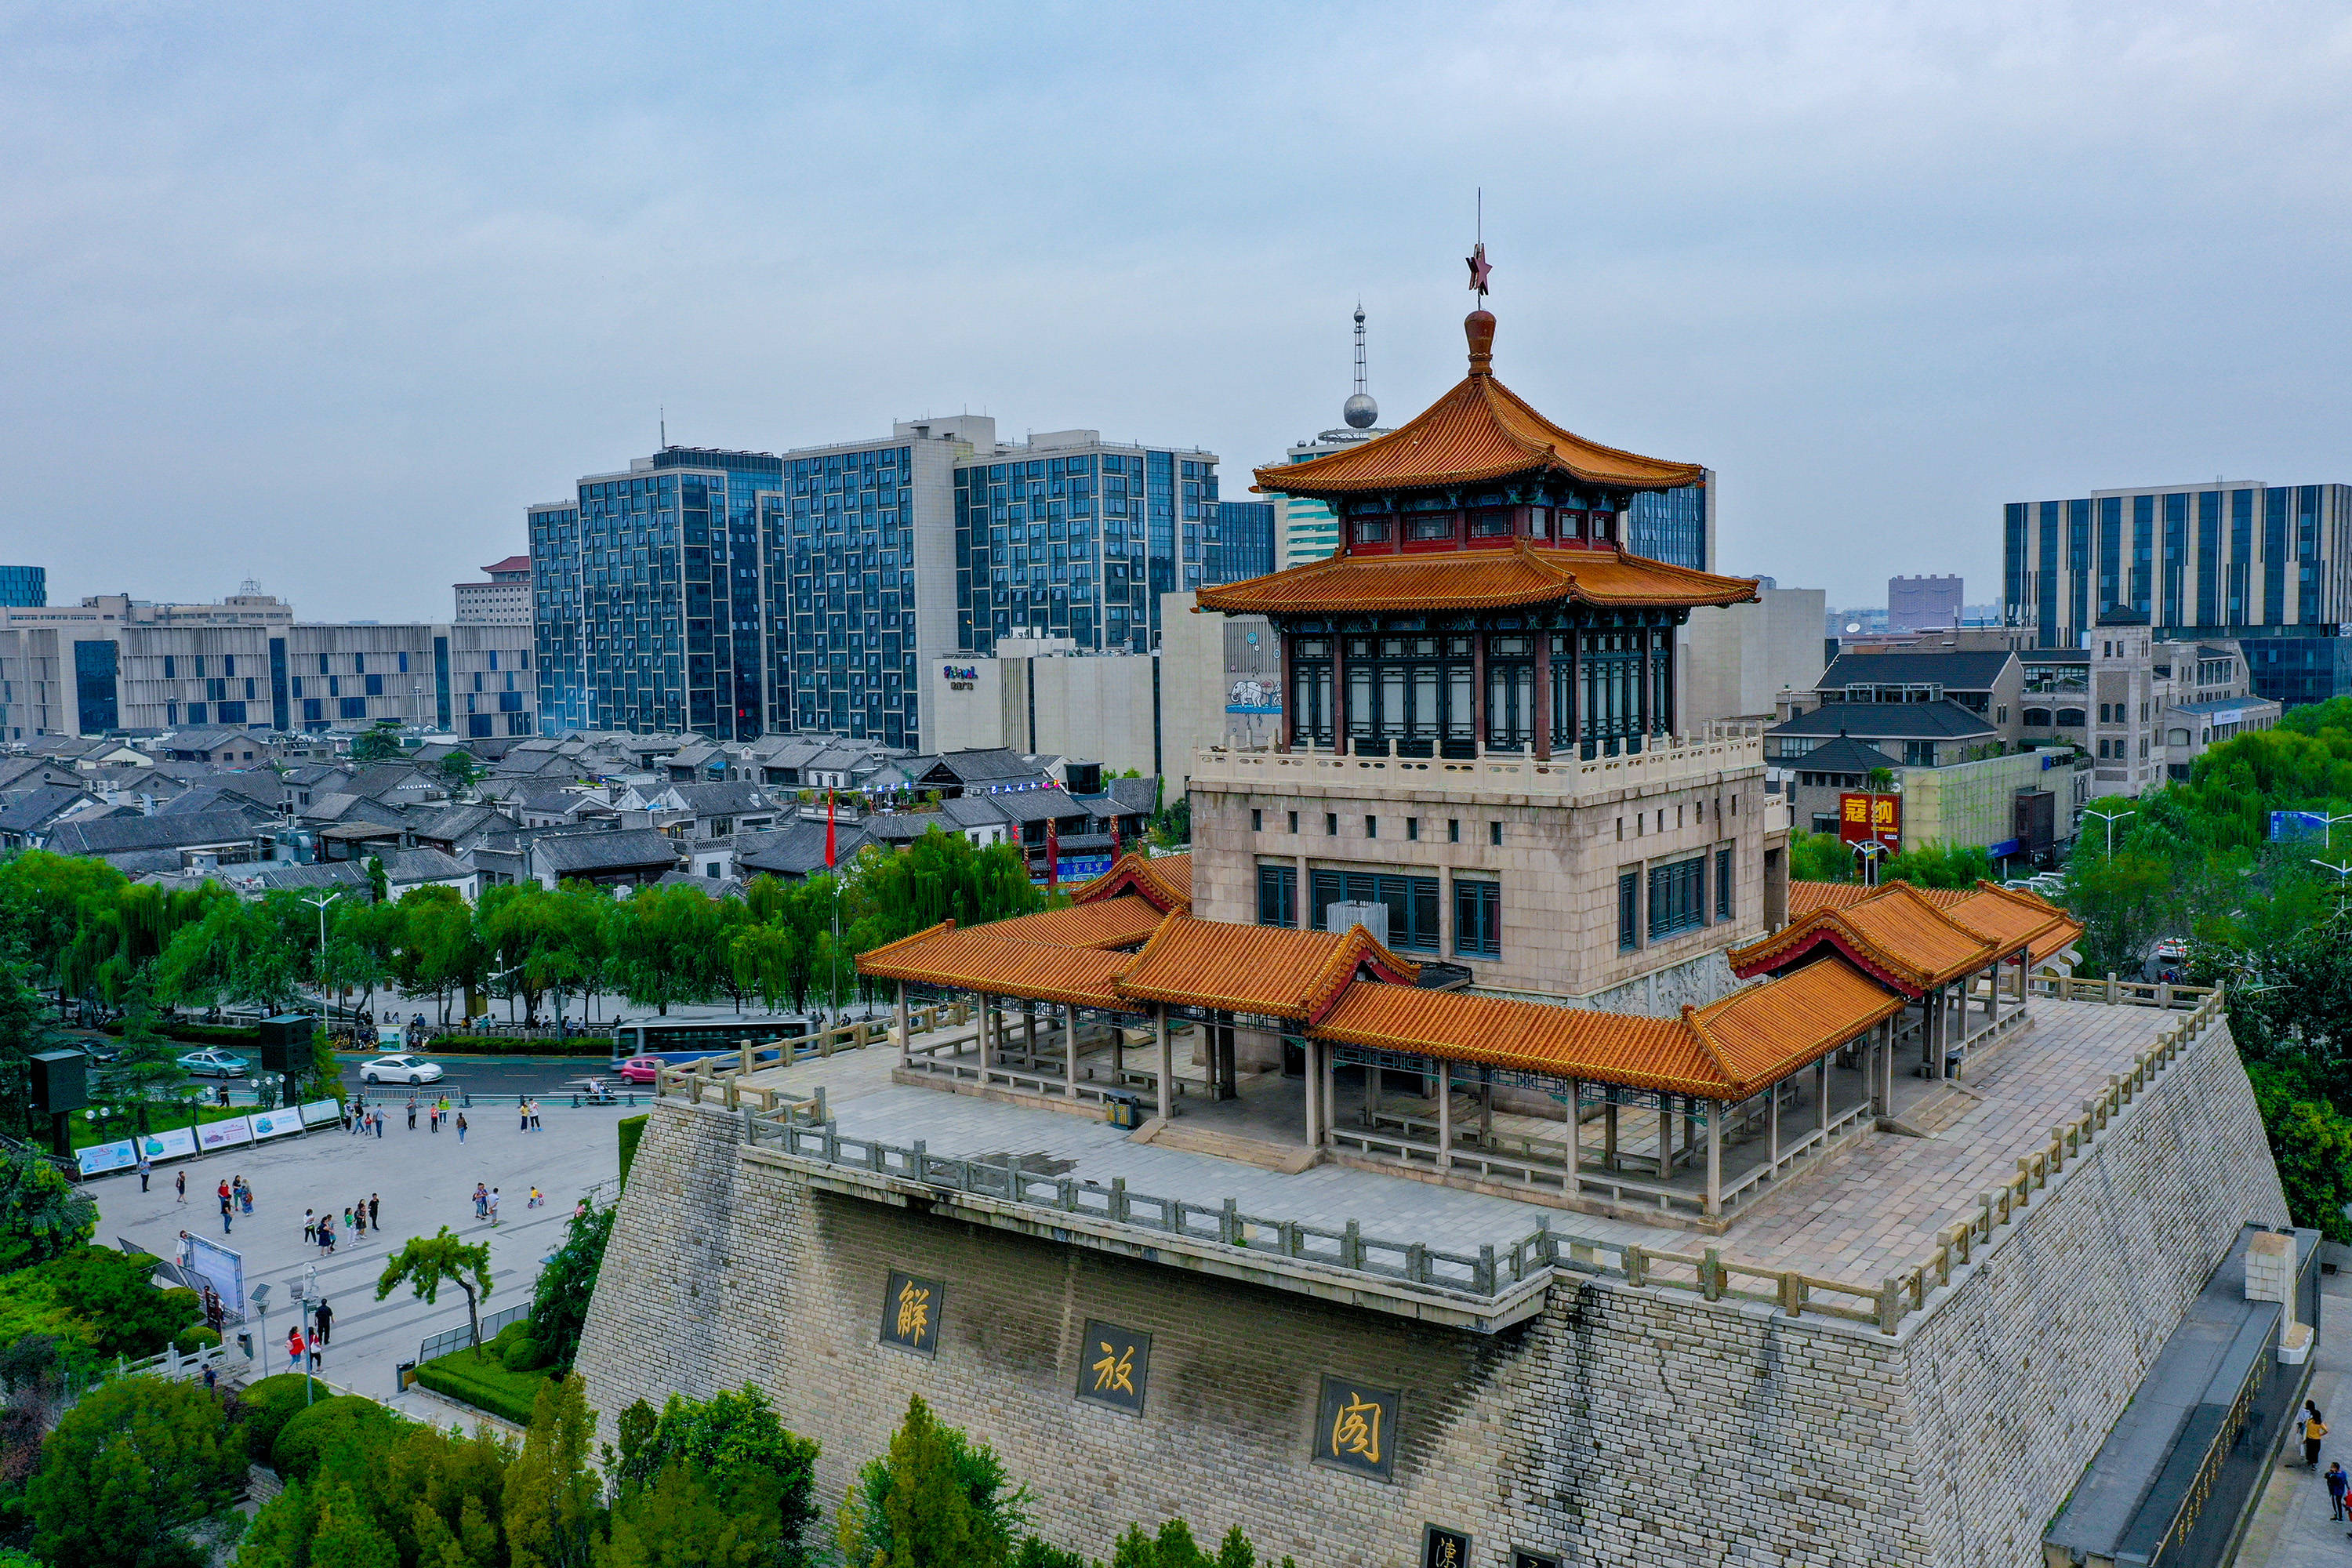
46	898
553	1504
380	744
761	959
1950	866
941	875
1172	828
559	1303
145	1067
682	1519
428	1262
936	1501
442	952
2312	1143
236	952
129	1471
701	1462
1173	1547
665	947
1819	857
460	768
42	1216
26	1031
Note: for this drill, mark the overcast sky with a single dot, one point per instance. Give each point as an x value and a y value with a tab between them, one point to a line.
324	296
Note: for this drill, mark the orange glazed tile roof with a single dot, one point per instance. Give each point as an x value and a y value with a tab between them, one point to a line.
1479	430
1898	934
1121	921
1165	880
2011	916
1526	573
1729	1050
983	959
1266	970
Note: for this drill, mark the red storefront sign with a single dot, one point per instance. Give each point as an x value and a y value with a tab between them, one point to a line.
1864	818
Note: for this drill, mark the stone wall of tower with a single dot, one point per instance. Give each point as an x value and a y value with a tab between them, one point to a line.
1620	1427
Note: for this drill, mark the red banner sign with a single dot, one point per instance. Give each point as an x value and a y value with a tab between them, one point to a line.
1864	818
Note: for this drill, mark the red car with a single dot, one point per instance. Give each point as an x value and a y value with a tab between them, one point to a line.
641	1069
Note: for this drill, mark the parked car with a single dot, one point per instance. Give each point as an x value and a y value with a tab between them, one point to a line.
400	1068
641	1069
212	1064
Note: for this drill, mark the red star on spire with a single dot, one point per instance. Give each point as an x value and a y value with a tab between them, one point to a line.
1478	269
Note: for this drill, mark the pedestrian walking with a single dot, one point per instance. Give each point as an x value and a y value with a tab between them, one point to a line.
2314	1431
374	1202
411	1113
325	1319
180	1185
146	1168
522	1113
461	1127
534	1116
294	1348
225	1207
494	1206
327	1235
347	1217
379	1121
2336	1481
481	1198
309	1226
245	1194
212	1378
317	1352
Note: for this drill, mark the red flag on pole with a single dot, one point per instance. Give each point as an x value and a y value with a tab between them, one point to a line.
1053	854
828	830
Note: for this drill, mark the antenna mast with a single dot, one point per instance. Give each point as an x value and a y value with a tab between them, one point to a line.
1360	388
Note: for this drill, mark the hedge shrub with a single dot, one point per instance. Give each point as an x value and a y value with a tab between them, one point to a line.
269	1404
189	1341
483	1384
631	1130
309	1435
195	1033
523	1353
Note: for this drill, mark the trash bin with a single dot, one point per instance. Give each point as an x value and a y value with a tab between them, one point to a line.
245	1343
1120	1106
403	1376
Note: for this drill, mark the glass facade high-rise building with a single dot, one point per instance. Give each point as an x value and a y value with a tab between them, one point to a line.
1676	526
1073	536
1242	546
2268	565
25	586
736	594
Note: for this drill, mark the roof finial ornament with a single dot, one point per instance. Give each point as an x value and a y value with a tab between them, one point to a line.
1479	325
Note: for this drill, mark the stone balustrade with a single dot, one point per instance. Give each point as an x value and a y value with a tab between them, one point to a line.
1668	761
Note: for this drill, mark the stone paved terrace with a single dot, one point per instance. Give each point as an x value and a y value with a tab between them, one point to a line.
1869	1210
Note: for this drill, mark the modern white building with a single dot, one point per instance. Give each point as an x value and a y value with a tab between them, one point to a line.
505	598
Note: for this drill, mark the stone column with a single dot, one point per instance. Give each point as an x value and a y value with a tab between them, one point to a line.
1666	1135
1330	1092
1715	1156
1070	1052
1444	1072
1773	1125
906	1035
1575	1131
1608	1132
1822	1095
1314	1087
1226	1088
1167	1063
1540	744
988	1041
1029	1034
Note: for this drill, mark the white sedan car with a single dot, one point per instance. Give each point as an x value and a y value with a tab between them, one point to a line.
400	1068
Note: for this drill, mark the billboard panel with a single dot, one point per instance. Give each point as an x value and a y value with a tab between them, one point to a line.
1863	819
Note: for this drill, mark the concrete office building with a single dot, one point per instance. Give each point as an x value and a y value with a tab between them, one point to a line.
505	597
2267	566
473	680
1735	661
1915	602
1045	696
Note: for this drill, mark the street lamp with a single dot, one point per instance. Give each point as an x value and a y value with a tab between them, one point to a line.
2110	818
2342	872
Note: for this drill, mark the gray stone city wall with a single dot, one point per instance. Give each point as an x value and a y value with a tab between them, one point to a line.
2017	1379
1620	1427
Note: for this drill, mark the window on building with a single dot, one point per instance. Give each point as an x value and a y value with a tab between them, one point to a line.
1258	820
1629	910
1453	830
1495	833
1477	919
1277	896
1413	830
354	708
1411	903
1371	828
1918	753
1294	822
1677	897
1330	824
1723	884
358	664
375	686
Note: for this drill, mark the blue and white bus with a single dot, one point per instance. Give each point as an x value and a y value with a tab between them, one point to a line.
676	1040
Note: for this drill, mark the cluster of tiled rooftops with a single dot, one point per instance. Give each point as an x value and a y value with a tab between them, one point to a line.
1868	975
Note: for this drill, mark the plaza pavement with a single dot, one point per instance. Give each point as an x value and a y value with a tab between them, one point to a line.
425	1180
